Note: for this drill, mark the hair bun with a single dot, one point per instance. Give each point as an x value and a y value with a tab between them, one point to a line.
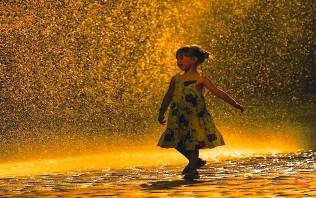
194	50
206	54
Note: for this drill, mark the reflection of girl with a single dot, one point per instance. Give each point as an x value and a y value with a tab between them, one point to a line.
190	126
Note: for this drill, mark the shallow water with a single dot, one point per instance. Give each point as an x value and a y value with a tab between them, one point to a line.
286	174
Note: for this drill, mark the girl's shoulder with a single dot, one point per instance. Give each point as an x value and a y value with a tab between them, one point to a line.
201	78
176	76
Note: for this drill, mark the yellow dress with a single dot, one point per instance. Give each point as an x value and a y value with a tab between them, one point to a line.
189	124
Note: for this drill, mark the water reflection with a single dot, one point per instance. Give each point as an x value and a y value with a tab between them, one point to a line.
164	185
283	174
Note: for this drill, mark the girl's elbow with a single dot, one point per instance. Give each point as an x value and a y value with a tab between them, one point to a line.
217	93
221	95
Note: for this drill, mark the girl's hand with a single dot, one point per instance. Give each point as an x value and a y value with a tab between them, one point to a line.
161	119
239	106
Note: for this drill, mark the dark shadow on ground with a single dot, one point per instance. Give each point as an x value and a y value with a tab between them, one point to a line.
160	185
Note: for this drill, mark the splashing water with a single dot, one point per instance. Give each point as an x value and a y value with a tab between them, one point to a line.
82	78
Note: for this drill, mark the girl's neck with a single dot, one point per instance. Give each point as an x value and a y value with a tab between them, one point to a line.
192	70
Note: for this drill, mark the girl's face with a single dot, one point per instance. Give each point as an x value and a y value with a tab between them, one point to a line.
186	62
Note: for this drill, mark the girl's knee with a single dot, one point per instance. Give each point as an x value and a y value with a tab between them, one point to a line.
181	149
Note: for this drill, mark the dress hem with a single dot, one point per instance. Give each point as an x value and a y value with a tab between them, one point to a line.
169	147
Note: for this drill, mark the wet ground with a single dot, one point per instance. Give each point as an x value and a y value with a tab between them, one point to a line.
287	174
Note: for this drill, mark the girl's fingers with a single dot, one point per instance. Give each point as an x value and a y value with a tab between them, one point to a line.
163	122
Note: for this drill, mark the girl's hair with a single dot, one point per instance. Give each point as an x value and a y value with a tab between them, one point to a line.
193	50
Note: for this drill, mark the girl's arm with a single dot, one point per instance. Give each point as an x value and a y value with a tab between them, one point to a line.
166	101
221	94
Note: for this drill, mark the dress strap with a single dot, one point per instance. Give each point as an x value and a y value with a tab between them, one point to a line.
176	78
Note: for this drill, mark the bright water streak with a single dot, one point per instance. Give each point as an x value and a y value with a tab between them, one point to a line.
291	174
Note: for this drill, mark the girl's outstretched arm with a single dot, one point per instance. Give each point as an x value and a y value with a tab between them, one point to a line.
166	101
221	94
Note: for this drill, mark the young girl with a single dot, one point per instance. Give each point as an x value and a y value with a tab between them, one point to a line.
190	126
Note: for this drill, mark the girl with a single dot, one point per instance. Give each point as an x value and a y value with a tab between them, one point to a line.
190	126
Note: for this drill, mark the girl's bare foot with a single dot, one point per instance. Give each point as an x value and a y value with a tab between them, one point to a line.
191	175
200	164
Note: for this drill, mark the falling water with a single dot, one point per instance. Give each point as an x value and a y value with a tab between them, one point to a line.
85	78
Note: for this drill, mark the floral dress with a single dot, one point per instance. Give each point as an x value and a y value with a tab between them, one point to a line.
189	124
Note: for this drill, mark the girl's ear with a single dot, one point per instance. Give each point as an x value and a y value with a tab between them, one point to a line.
195	59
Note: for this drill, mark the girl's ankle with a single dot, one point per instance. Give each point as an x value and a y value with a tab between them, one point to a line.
193	164
192	168
192	172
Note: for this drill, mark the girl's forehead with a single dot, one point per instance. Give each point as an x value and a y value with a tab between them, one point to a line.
183	56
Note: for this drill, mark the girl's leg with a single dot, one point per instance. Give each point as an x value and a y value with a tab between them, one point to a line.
184	152
198	153
193	159
192	170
